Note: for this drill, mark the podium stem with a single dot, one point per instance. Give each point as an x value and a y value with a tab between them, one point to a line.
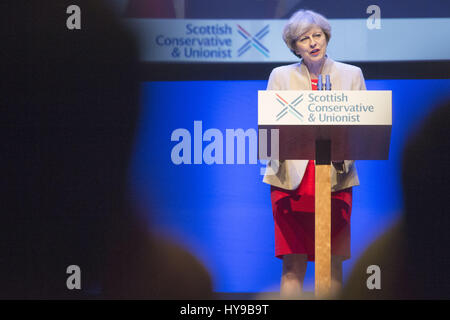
323	219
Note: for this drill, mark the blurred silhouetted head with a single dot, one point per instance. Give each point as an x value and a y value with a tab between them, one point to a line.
68	112
426	177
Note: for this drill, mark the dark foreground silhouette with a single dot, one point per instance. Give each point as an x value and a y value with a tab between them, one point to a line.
68	114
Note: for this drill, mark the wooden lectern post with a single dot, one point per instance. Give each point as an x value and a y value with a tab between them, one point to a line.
323	218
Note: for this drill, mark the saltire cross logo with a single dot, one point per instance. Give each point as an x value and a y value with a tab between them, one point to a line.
289	107
253	41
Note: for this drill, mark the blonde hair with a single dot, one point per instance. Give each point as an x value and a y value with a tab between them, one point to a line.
301	22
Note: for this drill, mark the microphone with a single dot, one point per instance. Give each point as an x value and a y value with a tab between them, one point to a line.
319	83
327	82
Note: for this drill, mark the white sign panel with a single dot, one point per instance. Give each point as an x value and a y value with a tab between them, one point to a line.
196	40
324	107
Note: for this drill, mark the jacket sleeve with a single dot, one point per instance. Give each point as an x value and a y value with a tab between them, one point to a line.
358	83
273	165
273	83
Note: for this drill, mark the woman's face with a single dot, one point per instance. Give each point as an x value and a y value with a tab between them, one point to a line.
312	45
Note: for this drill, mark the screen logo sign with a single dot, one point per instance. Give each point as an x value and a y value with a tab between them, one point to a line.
253	41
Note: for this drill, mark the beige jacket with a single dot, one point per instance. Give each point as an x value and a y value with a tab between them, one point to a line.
288	174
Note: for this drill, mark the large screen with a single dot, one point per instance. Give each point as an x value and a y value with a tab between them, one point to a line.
183	31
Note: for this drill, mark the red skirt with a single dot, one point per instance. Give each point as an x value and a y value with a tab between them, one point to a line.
293	213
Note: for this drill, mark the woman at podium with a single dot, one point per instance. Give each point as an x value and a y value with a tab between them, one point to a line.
307	35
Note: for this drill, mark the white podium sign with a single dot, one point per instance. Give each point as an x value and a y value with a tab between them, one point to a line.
324	107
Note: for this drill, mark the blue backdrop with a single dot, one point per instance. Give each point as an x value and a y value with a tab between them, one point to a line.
222	212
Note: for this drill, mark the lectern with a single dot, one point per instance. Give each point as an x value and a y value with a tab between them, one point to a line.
325	126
